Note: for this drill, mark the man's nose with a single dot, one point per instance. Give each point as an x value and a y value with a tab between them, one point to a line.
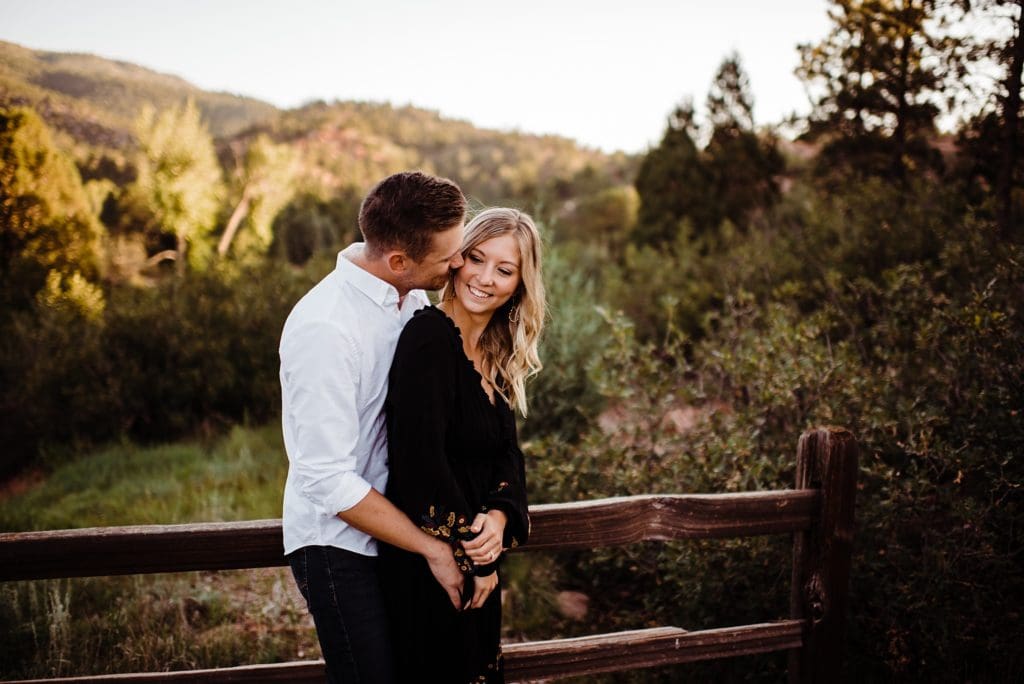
456	261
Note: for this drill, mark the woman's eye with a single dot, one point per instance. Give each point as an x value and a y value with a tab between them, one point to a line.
475	259
504	272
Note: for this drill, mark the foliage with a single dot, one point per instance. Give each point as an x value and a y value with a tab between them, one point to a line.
917	349
606	218
731	179
264	182
179	184
186	356
46	223
310	224
874	80
562	399
670	181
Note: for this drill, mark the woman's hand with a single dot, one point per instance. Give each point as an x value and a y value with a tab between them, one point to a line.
485	548
482	588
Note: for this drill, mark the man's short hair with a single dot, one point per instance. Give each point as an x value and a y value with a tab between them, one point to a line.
404	210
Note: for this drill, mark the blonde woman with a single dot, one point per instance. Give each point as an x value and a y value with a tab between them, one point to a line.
455	467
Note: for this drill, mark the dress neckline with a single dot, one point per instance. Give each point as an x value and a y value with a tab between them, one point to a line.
469	364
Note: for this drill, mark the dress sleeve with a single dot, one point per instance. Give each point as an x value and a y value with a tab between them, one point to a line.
507	492
420	402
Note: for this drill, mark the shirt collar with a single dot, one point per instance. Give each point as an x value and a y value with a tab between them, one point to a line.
379	291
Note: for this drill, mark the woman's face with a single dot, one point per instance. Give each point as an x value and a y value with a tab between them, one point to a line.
489	276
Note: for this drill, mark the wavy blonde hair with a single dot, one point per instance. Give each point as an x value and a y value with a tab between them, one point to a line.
509	343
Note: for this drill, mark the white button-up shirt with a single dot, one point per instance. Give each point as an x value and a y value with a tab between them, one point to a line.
336	352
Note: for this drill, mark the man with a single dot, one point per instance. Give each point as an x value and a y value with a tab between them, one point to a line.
336	351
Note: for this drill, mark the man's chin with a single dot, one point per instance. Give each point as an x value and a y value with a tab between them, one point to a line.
436	284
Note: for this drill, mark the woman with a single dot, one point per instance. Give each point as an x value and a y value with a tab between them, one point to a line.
455	465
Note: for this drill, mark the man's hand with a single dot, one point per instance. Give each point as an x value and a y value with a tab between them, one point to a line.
378	517
485	548
482	588
446	572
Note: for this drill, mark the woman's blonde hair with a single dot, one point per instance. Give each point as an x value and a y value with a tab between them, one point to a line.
509	343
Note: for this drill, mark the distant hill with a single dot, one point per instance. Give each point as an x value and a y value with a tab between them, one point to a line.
343	146
354	143
105	96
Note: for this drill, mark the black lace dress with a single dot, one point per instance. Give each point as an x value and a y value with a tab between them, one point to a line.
451	455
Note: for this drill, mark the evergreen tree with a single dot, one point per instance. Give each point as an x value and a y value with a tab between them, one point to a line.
990	144
47	228
742	166
874	81
671	182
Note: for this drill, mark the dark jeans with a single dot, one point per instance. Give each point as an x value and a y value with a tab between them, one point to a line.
343	593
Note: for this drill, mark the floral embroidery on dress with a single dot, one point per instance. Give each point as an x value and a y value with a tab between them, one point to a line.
453	529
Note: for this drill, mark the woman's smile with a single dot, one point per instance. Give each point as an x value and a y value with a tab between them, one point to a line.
479	294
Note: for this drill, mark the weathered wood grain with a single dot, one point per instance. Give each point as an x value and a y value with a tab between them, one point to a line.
548	659
625	520
258	543
826	462
645	648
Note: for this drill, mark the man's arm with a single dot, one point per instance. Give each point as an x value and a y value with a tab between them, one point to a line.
379	518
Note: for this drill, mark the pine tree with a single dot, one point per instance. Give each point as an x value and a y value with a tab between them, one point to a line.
741	164
671	182
874	82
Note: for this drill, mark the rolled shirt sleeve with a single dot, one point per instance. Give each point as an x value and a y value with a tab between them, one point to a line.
320	380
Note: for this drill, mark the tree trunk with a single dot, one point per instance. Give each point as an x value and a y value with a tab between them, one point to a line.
237	216
902	113
182	245
1011	117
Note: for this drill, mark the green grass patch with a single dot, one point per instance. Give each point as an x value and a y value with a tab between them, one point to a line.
240	477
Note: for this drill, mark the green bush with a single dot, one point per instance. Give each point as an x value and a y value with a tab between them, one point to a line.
190	355
923	360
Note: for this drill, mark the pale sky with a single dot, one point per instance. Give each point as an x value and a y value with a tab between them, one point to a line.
605	73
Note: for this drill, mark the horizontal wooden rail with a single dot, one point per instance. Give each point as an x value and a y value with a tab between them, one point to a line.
646	648
257	543
653	517
559	657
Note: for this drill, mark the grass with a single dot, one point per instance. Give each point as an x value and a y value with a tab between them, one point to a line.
241	477
101	625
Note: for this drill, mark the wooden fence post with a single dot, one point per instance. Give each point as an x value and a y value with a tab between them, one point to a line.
826	460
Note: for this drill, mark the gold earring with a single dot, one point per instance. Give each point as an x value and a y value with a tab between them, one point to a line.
513	314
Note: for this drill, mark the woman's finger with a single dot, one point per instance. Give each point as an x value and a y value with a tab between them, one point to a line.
478	522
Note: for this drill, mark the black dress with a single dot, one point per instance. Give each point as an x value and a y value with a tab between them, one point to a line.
451	455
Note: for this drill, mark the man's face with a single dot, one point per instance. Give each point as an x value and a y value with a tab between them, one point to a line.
431	272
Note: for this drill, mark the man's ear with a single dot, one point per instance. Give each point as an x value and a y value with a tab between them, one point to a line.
397	261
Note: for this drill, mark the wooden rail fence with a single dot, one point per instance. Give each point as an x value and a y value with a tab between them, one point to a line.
818	513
